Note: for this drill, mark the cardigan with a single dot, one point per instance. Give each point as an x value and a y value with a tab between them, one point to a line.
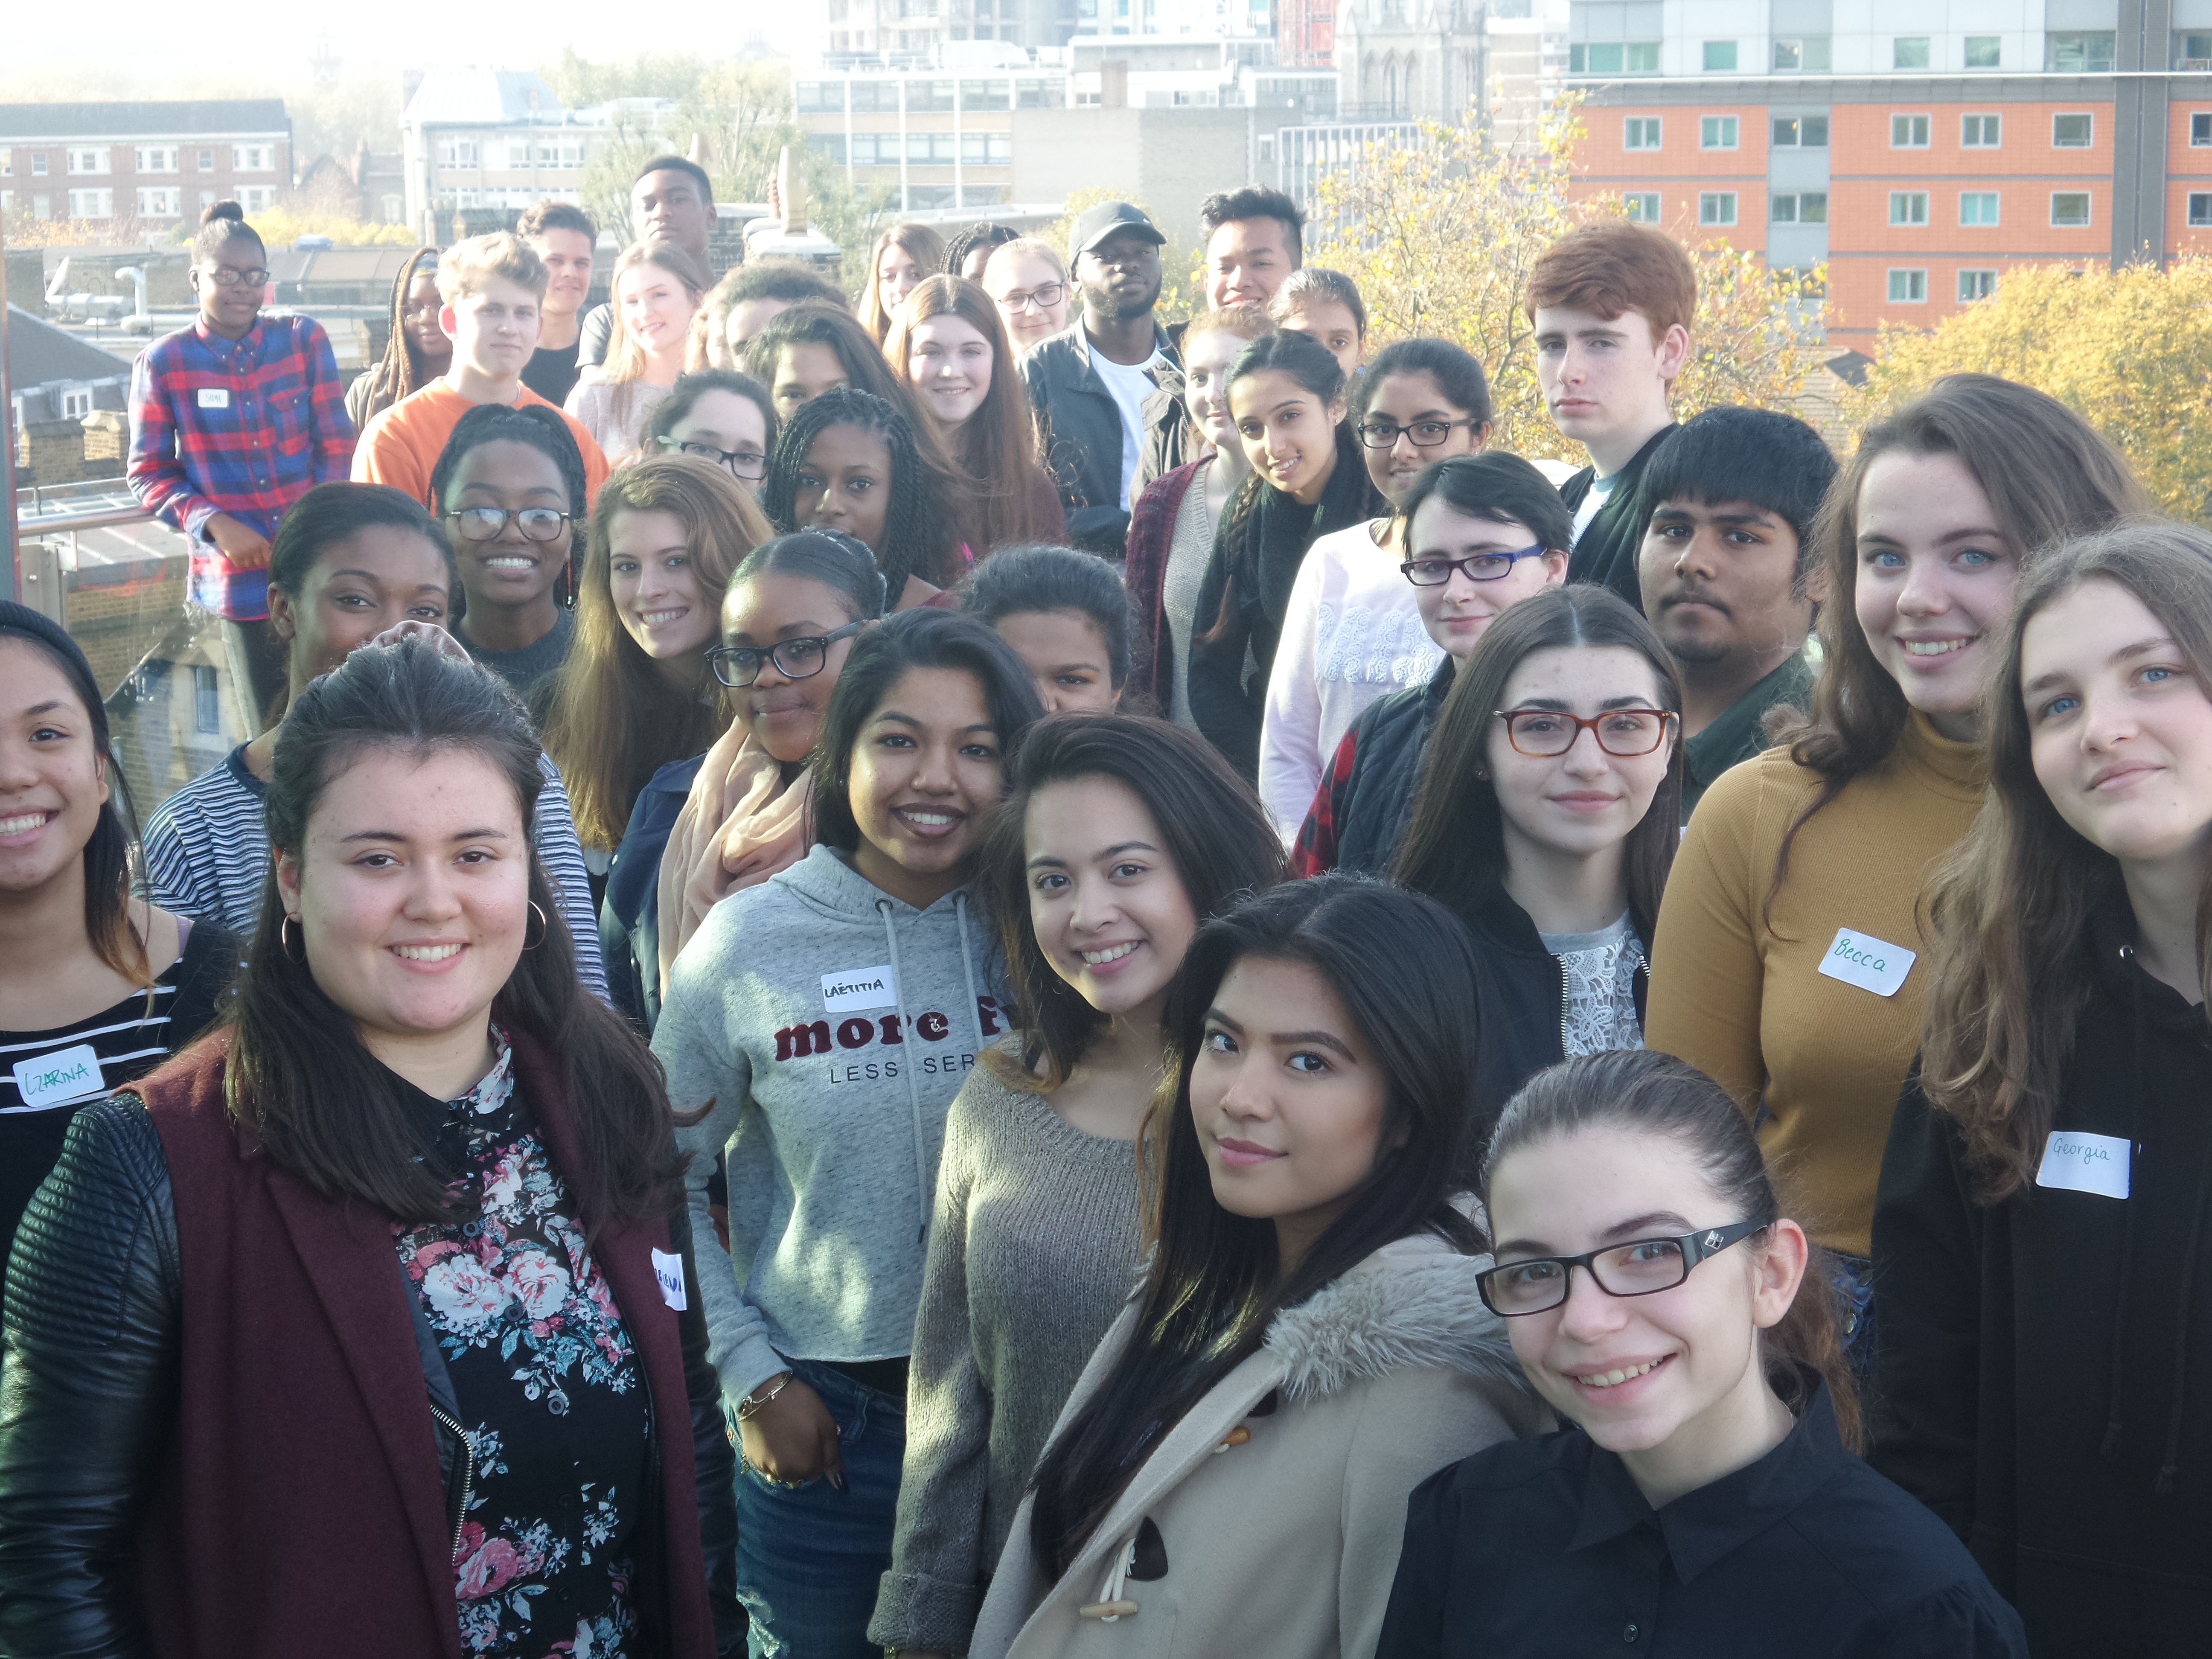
1151	542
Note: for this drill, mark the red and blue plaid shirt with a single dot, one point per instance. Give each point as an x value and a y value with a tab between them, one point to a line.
244	426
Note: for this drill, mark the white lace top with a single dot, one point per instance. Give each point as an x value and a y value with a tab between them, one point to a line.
1353	633
1600	985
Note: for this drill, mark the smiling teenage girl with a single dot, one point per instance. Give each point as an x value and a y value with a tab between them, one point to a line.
2040	1310
1705	1498
817	1027
1827	844
1121	837
1066	614
658	287
902	256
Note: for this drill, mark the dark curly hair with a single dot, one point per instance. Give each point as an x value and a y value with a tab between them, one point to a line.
917	539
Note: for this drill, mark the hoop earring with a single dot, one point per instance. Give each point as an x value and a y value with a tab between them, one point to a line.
284	943
544	928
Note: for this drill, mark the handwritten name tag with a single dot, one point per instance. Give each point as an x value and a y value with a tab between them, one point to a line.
858	989
669	1270
57	1079
1872	965
2086	1164
213	396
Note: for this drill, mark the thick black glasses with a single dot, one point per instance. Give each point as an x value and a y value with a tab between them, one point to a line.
738	666
1641	1269
483	524
228	277
1044	296
1544	733
747	463
1427	435
1478	567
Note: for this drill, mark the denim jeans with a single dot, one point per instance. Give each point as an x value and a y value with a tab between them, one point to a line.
1855	1313
811	1557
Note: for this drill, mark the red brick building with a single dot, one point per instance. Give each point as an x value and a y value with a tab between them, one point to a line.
139	169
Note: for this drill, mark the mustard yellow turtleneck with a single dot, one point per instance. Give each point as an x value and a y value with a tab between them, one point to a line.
1737	992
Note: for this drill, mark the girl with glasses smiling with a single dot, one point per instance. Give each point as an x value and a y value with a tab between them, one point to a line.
716	415
1703	1497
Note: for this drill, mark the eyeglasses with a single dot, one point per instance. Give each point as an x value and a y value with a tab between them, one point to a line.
1643	1268
484	524
224	276
747	463
1545	732
1476	567
1044	296
1380	434
738	666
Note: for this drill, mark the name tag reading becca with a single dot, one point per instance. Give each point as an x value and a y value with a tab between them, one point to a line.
858	989
57	1079
2086	1164
669	1270
1871	963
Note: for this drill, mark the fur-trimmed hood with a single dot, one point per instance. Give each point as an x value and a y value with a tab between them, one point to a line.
1413	1303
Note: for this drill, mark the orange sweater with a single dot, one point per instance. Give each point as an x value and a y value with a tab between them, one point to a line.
1747	1003
401	445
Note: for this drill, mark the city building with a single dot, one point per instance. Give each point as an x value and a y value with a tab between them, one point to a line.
132	170
53	375
369	188
1917	163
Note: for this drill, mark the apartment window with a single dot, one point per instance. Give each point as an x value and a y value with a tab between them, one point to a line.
986	94
1908	207
1909	52
455	152
1805	207
1976	285
88	160
1643	206
207	699
2200	131
92	204
518	154
1808	55
159	203
257	198
76	404
42	207
1978	207
1983	50
1716	207
986	149
1801	132
2072	131
928	147
2192	52
2079	54
2069	207
1908	132
157	158
253	158
2200	210
1642	132
1614	57
1720	57
1908	287
1266	146
831	146
1717	132
819	97
38	161
864	150
1981	131
1040	94
207	160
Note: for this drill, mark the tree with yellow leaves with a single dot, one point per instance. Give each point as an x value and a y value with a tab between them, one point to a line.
2129	350
1441	239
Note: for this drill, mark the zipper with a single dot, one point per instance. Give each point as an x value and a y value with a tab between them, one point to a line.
468	1473
1562	963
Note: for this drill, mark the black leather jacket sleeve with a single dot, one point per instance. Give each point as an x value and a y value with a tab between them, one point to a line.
716	1459
89	1379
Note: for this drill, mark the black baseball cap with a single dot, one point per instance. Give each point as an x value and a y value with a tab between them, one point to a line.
1108	219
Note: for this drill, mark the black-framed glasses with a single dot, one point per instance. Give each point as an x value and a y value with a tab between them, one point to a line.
1476	567
798	659
1643	1268
1543	733
484	524
1044	296
747	463
1426	434
225	277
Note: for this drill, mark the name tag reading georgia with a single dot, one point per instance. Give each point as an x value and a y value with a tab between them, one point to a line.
855	990
2086	1164
1871	963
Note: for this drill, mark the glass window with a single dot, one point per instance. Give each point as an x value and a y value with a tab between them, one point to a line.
1908	207
829	145
1908	287
929	94
1908	132
1641	57
1789	56
207	699
1643	206
2072	131
986	95
1717	132
2078	53
1783	210
1720	57
1642	132
820	97
1978	207
2192	52
1816	54
1716	207
1909	52
1786	130
39	165
2069	207
1813	207
1976	285
1981	131
1040	94
1813	132
2200	131
1983	50
2200	209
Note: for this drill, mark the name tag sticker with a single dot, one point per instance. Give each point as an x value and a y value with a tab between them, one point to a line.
858	989
1872	965
2086	1164
57	1079
213	396
669	1270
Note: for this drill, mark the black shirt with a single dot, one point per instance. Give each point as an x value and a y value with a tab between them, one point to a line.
1547	1546
1608	550
552	372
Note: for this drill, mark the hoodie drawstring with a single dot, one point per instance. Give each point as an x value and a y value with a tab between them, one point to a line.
923	1197
968	967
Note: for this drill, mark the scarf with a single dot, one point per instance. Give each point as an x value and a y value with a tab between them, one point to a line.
740	824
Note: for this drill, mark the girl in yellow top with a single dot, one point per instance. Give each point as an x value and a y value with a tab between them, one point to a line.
1789	961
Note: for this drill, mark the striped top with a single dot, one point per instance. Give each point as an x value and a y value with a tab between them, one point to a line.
53	1069
207	855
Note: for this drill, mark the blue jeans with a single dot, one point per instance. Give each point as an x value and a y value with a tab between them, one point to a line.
1855	1313
811	1559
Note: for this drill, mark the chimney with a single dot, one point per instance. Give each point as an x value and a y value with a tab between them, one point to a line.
1114	84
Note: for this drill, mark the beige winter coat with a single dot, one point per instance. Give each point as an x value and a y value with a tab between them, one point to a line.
1281	1545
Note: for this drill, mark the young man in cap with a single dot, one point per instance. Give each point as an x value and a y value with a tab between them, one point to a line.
672	201
1087	385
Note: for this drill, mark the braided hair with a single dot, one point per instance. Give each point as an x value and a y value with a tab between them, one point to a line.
399	374
916	541
533	424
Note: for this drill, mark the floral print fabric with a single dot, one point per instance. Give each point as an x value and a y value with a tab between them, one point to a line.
550	1390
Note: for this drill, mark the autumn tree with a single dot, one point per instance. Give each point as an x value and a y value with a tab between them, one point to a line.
2130	350
1441	236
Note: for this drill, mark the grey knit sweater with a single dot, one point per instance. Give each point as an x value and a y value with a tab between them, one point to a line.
1033	1253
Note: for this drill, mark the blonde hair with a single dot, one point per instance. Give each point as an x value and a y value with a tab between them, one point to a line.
463	267
1023	247
625	357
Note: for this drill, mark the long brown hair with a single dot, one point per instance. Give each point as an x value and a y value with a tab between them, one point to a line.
616	719
398	372
922	244
1454	844
300	1080
2011	907
995	448
2048	474
1643	1091
625	357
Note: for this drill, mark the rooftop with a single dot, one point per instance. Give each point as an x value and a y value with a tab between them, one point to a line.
198	115
39	353
474	94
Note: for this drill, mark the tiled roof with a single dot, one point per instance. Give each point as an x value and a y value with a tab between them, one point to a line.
151	120
39	353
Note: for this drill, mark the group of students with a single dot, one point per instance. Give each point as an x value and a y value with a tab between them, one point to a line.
1113	1073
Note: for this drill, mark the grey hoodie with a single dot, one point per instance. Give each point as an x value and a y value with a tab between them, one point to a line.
828	1025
